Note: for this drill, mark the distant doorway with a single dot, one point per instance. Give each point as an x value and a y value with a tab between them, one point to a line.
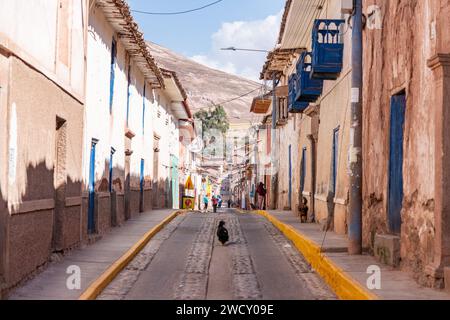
156	185
141	187
91	209
335	160
303	172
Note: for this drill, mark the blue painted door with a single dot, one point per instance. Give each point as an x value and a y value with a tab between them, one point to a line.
111	161
91	208
141	187
335	159
303	171
398	106
290	176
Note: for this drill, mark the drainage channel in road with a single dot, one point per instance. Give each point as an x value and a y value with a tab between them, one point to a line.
232	266
194	280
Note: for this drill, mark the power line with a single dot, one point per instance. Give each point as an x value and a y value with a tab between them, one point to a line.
239	97
213	104
178	12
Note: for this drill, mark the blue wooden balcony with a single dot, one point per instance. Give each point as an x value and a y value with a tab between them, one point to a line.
295	106
327	49
309	89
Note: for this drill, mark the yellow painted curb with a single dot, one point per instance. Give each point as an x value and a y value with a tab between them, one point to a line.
101	282
339	281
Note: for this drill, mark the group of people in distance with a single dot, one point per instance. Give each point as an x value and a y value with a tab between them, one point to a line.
261	192
216	202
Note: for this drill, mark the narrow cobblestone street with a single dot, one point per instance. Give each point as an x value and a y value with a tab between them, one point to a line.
186	261
209	150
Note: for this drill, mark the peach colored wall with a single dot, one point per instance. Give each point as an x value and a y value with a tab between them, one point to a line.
395	59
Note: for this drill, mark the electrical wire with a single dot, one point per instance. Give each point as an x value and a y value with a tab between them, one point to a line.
178	12
239	97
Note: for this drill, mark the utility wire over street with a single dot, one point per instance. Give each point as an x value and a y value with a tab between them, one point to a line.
178	12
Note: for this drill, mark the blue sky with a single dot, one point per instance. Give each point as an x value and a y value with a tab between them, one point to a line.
200	35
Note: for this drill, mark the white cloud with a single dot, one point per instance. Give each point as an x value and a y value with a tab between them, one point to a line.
258	34
210	62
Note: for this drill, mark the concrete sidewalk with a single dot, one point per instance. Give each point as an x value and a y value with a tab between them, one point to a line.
93	260
395	284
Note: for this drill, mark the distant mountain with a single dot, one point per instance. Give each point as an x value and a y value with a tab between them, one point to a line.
206	86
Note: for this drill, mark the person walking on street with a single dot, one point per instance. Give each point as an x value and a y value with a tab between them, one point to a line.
215	201
261	191
205	202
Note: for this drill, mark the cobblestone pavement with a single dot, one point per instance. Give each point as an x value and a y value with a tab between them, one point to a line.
122	284
185	261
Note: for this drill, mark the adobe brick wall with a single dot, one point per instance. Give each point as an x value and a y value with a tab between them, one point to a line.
395	59
27	242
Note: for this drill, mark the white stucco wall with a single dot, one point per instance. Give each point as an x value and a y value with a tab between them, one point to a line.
109	128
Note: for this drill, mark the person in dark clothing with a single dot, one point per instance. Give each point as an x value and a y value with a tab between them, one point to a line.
229	203
261	191
222	233
215	202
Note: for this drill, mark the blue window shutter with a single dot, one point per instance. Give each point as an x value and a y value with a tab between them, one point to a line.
128	91
113	73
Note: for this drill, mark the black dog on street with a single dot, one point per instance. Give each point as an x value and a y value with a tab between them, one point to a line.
222	233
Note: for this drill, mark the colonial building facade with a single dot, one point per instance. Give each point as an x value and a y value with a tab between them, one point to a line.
42	96
405	142
406	121
90	129
311	134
